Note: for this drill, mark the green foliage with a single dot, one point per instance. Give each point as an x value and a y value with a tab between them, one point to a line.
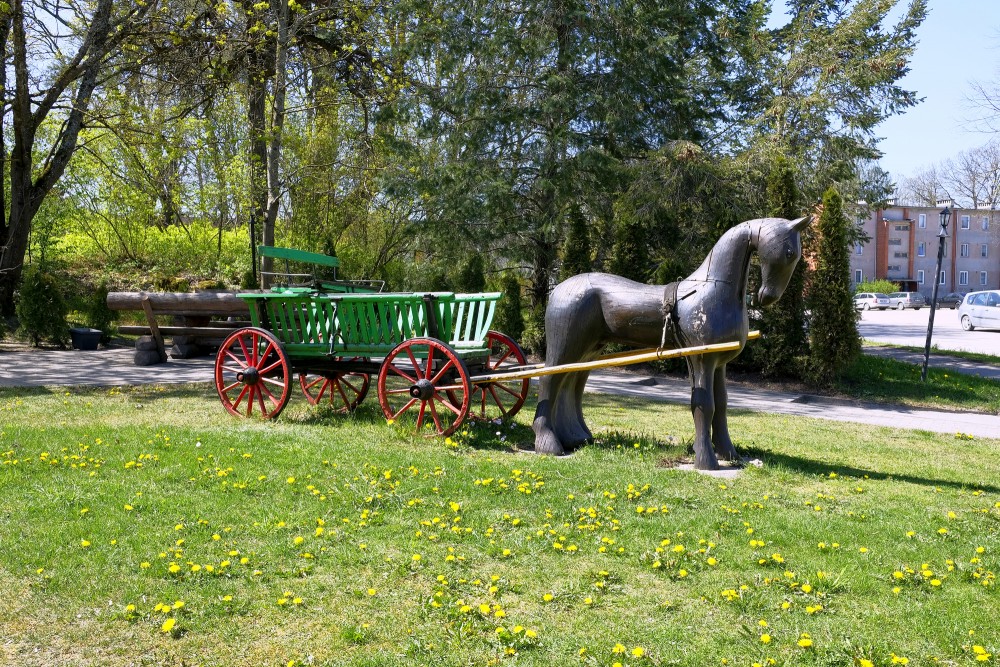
833	333
96	313
471	276
783	347
576	249
630	252
41	308
533	339
881	285
508	318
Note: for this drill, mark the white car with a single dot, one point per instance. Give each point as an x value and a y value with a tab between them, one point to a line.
980	310
869	300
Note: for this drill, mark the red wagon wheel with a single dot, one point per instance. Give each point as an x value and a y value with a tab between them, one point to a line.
343	391
424	380
252	374
500	399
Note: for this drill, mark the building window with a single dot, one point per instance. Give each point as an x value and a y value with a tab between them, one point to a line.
858	276
858	248
965	222
964	251
986	223
922	221
963	277
984	250
920	276
921	249
895	241
894	267
902	228
982	278
941	279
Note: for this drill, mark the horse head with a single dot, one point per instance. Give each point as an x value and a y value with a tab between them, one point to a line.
779	248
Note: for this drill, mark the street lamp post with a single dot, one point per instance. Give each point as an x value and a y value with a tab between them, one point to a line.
942	235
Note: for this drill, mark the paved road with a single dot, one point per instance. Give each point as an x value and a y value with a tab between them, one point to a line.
909	327
114	367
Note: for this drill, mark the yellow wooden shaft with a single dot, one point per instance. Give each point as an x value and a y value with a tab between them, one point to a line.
613	360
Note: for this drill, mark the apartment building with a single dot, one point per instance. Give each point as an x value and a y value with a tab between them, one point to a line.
904	246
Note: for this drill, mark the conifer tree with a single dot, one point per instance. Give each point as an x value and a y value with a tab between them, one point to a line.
833	334
576	249
783	344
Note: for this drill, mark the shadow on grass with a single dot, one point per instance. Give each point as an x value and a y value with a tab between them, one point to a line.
813	467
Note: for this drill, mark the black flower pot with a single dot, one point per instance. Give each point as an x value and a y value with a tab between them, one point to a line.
84	338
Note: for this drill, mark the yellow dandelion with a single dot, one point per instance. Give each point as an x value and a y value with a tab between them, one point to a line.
168	625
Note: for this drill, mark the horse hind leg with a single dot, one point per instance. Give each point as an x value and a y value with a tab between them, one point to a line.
569	424
546	440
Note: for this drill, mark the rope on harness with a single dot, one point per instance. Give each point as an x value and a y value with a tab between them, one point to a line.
671	321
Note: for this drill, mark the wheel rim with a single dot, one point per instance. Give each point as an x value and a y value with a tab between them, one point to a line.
966	323
252	374
423	382
501	399
341	391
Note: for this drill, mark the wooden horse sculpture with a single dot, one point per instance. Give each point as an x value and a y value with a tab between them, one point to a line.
590	310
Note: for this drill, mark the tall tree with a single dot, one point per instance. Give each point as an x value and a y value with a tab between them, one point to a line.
78	42
833	333
784	345
832	77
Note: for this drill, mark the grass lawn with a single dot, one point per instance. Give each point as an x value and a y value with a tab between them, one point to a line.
148	527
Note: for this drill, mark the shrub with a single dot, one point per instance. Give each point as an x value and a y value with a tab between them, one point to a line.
41	308
508	318
881	285
96	312
576	250
834	343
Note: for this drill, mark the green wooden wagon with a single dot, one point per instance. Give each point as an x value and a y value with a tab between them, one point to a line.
422	350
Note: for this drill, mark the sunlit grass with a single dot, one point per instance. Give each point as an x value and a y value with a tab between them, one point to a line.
147	526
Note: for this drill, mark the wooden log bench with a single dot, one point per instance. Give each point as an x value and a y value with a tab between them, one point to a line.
200	320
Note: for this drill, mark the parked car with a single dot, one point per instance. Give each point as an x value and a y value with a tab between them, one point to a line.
869	300
950	300
980	310
901	300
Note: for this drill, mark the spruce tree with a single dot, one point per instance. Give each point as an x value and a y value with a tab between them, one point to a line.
630	253
576	249
784	345
508	318
833	334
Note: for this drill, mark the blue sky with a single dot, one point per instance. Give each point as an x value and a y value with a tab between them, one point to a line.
959	42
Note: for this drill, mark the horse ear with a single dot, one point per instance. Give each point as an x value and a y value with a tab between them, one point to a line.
800	224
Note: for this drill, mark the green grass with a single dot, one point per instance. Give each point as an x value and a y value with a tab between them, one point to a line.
977	357
102	491
886	380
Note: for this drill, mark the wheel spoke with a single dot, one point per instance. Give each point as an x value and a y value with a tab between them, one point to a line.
273	381
403	409
251	397
345	381
416	364
229	388
241	396
430	362
457	409
271	367
420	415
395	369
343	394
441	372
496	399
254	346
502	359
232	356
507	389
434	416
243	347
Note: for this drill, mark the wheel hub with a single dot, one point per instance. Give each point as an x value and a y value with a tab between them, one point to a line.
250	376
422	390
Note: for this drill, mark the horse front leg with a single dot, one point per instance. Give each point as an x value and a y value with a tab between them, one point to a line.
703	412
720	423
